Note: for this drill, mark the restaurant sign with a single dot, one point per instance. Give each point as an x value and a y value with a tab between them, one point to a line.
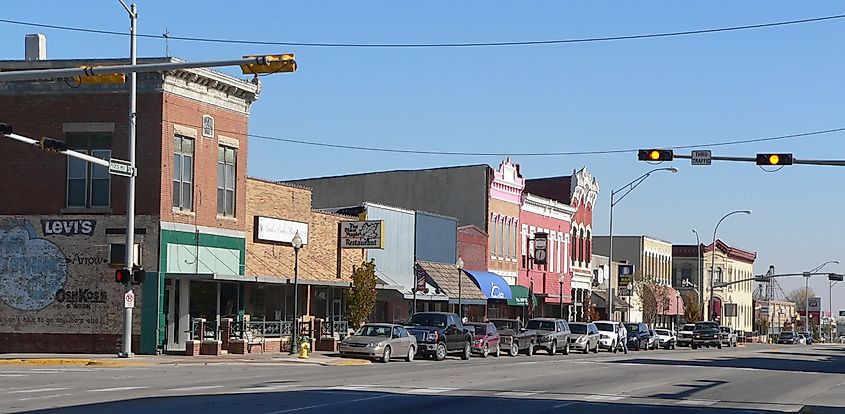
367	234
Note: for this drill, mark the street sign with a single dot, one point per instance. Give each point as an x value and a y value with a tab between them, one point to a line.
701	157
129	300
623	291
121	167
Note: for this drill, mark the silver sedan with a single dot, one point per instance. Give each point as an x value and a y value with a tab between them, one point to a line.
381	341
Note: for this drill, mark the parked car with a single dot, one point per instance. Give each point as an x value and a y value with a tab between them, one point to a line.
485	338
584	337
639	336
808	336
552	334
706	334
608	335
513	337
653	340
381	341
666	338
685	334
787	337
439	334
729	337
801	340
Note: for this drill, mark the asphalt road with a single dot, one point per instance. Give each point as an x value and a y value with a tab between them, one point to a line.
752	379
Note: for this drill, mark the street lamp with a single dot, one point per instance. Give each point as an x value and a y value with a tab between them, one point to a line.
807	293
832	280
560	282
296	242
629	187
700	273
713	255
460	266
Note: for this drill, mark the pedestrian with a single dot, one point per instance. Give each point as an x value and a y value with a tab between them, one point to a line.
623	337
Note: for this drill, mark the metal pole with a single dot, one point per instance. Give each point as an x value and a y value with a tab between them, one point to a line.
713	261
295	300
610	260
829	308
126	352
460	305
561	298
700	274
807	304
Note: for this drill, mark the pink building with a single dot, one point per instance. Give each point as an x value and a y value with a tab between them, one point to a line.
550	282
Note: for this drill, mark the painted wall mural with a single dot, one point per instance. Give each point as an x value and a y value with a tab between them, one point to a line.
32	270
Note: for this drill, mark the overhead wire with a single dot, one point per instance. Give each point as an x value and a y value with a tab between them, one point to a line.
168	36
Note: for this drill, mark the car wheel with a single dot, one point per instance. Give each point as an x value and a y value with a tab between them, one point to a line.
587	348
596	349
694	346
498	351
514	351
553	348
719	346
440	351
411	354
467	351
486	351
734	344
566	348
530	350
386	357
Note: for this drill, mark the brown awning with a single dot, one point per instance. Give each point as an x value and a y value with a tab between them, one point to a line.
445	277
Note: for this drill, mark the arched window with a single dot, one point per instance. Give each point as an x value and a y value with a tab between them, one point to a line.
573	252
589	242
581	246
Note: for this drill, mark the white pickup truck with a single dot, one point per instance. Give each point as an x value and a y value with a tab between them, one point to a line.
728	336
685	335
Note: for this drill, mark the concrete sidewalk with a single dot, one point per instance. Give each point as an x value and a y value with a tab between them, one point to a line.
105	360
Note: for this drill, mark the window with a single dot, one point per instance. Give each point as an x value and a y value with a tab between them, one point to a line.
183	173
500	228
573	245
589	243
492	233
581	246
507	239
88	185
226	157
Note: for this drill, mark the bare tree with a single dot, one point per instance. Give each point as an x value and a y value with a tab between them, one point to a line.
653	296
799	297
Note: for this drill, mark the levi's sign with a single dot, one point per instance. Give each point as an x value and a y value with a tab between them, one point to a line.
367	234
68	227
121	167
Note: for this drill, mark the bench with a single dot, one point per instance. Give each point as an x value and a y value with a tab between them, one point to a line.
250	339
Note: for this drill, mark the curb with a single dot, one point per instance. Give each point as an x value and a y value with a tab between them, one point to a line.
71	362
816	409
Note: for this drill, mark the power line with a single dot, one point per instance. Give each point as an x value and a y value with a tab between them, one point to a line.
436	45
541	154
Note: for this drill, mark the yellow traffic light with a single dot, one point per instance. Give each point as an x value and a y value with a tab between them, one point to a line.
774	159
104	79
270	64
655	155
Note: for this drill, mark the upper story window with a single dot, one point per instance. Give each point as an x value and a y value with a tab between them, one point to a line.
183	173
226	162
207	126
88	185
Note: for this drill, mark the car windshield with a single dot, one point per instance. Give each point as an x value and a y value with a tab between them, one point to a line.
479	329
604	327
371	330
505	324
578	328
540	325
786	334
706	325
428	319
662	332
689	327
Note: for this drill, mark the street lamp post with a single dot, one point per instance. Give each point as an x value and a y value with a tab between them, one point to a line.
713	258
460	266
296	242
807	295
560	282
629	187
700	273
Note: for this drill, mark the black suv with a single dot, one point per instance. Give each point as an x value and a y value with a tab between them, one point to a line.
551	334
439	334
639	336
706	334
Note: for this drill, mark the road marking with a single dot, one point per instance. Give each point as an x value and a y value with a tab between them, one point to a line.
514	394
431	390
263	389
196	388
12	375
697	402
601	397
117	389
526	363
36	390
566	404
43	397
311	407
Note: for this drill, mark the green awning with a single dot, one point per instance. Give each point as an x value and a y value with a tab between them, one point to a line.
520	296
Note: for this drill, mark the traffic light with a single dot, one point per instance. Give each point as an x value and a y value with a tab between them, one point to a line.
122	275
774	159
655	155
138	275
270	64
104	79
49	144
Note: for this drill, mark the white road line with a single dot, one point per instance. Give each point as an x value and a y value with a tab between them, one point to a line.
12	375
513	394
36	390
566	404
117	389
431	390
264	389
697	402
196	388
43	397
604	397
311	407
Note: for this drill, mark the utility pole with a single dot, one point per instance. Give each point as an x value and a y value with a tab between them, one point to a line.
130	196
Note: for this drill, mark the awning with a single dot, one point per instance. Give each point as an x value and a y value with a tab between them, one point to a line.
491	284
445	278
599	299
519	296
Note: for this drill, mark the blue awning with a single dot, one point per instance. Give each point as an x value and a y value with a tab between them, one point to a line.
491	284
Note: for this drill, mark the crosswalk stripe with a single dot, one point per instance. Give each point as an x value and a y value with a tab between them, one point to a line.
43	397
514	394
117	389
36	390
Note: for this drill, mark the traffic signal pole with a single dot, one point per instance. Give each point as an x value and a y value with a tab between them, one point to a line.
827	163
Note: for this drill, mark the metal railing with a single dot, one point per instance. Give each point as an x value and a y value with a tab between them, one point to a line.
210	330
329	329
267	329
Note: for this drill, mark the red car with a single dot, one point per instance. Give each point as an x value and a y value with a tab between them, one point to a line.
485	339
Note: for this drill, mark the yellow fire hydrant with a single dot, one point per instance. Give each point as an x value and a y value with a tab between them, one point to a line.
304	348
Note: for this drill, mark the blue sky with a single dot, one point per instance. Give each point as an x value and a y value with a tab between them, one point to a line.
591	96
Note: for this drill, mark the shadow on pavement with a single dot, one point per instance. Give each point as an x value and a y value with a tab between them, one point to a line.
349	402
828	364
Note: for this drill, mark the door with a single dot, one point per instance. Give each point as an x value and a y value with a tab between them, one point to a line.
454	333
400	342
178	318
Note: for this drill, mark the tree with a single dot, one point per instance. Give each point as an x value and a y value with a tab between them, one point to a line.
692	308
799	297
362	296
653	296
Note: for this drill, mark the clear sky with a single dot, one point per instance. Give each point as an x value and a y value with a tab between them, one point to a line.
572	97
